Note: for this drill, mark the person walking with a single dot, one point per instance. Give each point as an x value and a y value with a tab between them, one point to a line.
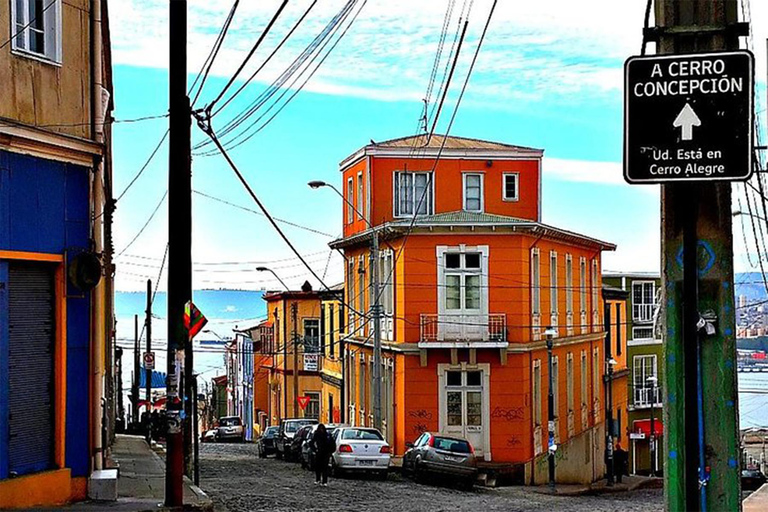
324	446
621	459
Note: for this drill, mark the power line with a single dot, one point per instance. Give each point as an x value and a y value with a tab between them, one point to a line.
206	68
25	27
143	167
145	225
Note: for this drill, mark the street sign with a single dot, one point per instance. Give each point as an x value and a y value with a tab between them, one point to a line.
688	117
311	362
149	360
636	435
303	402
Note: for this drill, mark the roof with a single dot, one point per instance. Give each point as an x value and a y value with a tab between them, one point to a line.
220	380
631	274
400	227
451	146
614	292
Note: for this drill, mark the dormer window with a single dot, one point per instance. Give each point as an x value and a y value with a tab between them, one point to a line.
473	192
413	194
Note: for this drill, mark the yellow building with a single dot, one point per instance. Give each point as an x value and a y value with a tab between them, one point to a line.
615	300
332	325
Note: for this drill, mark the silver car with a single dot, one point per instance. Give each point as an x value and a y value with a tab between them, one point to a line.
230	428
445	455
360	449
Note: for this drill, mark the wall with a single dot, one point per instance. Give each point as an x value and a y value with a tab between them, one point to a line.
579	461
44	94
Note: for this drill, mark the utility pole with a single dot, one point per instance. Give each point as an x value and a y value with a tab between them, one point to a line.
136	369
148	329
701	432
295	344
376	316
551	446
179	247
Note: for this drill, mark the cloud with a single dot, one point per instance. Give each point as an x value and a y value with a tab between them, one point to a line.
230	309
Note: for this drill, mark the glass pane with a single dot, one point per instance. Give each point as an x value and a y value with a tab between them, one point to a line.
421	195
472	260
474	408
452	260
472	292
406	193
510	187
474	378
454	408
453	378
452	292
473	204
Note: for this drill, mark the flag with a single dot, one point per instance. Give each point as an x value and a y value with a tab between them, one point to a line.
194	320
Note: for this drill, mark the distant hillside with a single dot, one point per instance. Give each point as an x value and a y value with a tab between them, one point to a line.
750	284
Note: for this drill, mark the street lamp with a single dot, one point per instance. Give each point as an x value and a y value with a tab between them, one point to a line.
550	333
375	307
652	380
610	363
266	269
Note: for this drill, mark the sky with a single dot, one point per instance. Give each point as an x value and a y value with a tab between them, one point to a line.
549	75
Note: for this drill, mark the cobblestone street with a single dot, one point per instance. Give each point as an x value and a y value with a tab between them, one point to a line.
237	480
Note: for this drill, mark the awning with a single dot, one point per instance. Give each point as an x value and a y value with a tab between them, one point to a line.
644	426
158	379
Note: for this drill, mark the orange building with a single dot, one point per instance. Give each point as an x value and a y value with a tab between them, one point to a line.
617	372
471	278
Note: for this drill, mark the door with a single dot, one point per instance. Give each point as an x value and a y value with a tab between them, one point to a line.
31	329
463	300
464	398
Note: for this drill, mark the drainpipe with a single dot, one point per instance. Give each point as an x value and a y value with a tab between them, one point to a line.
97	329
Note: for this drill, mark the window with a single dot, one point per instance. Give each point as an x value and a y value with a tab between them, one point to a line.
642	333
537	392
594	285
413	193
535	282
617	425
313	406
352	383
583	285
361	289
473	192
643	301
462	280
332	335
596	378
361	390
619	330
511	181
360	200
351	294
569	380
385	278
556	385
350	200
643	368
37	27
553	282
584	370
568	284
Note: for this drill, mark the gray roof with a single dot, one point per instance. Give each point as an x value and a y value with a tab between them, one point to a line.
461	217
451	142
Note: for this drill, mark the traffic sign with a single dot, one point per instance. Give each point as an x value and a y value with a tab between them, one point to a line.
149	360
688	117
303	402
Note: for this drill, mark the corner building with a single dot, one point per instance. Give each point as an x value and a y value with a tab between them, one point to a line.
468	288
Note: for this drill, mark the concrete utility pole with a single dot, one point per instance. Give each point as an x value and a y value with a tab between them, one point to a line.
148	328
295	345
136	369
694	215
179	248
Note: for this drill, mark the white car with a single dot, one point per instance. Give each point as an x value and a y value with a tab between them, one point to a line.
360	449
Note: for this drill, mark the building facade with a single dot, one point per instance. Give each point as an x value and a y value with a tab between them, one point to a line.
645	358
55	250
333	347
617	371
470	280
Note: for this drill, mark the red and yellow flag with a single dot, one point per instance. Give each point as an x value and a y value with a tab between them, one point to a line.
194	320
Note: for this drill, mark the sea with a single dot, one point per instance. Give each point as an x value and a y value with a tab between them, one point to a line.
753	399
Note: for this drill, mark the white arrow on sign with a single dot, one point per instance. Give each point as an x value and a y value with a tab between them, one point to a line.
686	120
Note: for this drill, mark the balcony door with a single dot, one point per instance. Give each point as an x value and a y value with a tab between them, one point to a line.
462	277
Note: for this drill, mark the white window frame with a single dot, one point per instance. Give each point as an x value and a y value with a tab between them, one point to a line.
556	386
536	392
361	291
504	176
52	32
350	200
569	379
553	295
304	322
397	202
360	196
464	177
535	281
646	327
462	271
583	294
569	293
638	366
635	306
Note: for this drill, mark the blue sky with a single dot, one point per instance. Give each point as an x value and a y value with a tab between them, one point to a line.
549	76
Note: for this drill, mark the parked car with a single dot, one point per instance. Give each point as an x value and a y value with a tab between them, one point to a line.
752	479
209	436
287	431
360	449
297	443
230	428
441	454
265	445
308	448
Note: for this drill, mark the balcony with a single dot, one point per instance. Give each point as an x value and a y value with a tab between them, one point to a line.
642	396
487	330
643	312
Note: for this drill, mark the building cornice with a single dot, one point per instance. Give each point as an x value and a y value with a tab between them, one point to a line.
445	154
24	139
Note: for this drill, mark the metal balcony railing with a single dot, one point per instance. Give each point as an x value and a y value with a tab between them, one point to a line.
463	327
642	312
642	396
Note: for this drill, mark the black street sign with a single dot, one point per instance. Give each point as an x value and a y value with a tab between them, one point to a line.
688	117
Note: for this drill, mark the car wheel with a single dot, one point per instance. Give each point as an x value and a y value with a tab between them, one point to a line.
262	453
382	475
278	454
469	484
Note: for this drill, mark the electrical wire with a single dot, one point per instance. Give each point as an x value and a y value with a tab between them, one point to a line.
208	64
162	199
25	27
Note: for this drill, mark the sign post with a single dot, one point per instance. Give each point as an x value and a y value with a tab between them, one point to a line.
688	117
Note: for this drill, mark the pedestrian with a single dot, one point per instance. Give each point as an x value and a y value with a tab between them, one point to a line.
620	461
324	445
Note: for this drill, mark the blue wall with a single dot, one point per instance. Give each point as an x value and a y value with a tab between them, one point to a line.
44	207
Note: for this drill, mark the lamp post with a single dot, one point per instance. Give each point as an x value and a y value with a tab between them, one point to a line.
375	307
610	462
550	333
267	269
652	380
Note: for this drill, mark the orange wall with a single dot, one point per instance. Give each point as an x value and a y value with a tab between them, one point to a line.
448	186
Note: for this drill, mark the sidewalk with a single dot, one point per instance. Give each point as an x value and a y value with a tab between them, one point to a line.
757	501
141	484
629	483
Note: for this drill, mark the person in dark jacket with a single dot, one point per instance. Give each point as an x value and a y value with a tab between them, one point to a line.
324	448
621	459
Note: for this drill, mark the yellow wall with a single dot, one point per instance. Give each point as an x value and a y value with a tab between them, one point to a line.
47	488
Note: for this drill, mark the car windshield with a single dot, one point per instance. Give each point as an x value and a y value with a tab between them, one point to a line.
271	431
452	445
293	426
229	422
362	434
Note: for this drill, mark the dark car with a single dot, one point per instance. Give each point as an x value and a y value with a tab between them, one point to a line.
442	455
307	455
298	441
752	479
287	431
265	445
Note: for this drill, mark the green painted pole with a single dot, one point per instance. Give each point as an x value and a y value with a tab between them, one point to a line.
698	215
